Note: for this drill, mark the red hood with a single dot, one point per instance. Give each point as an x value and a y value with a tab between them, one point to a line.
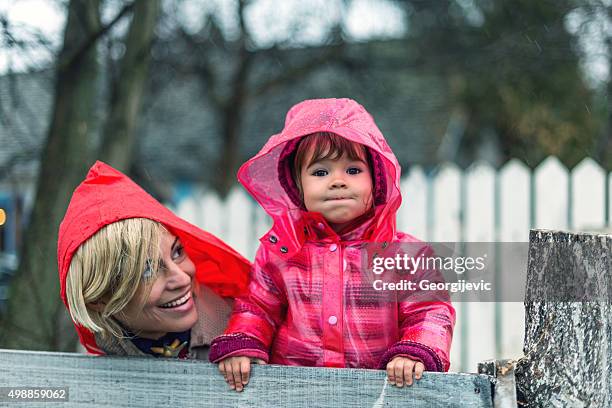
105	196
264	179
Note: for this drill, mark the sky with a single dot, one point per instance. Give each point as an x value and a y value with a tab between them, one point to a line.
593	32
270	21
27	18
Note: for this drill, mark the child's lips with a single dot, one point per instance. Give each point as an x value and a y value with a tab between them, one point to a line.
340	198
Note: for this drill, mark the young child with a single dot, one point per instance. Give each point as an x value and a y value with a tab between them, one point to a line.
137	279
330	183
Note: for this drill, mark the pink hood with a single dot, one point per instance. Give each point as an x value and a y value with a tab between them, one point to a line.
311	300
267	180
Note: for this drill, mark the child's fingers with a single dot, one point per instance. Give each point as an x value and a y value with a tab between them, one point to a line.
408	367
236	376
391	371
223	371
259	361
229	375
245	369
418	370
400	367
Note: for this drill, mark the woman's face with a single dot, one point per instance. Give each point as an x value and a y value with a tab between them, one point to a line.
169	306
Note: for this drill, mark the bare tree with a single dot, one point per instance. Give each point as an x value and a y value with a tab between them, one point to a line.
35	318
119	134
34	310
229	70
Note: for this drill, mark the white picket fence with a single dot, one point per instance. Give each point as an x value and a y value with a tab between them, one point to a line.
480	204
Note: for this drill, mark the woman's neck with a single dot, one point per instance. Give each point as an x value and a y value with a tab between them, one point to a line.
151	335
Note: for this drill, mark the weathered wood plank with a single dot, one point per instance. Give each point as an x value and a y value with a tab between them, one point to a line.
568	333
139	382
504	394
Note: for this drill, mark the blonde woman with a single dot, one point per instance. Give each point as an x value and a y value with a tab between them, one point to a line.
137	279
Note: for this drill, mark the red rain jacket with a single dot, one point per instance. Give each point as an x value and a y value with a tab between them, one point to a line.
308	303
105	196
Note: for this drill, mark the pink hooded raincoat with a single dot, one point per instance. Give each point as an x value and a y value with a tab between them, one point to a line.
308	303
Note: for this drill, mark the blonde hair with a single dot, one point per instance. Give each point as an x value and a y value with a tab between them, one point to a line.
112	265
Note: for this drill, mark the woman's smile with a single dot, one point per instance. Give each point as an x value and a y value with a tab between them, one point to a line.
182	300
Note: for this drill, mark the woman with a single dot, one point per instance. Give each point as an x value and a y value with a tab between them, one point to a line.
137	279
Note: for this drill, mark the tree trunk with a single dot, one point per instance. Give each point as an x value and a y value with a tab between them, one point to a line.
120	130
229	159
568	322
35	318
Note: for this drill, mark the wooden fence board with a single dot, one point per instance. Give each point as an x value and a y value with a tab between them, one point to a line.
237	216
480	229
551	194
412	215
446	227
146	382
514	223
588	195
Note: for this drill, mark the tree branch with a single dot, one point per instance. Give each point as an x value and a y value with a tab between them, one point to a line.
75	57
332	53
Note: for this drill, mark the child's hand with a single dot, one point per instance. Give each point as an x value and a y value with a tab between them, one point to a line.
236	370
399	370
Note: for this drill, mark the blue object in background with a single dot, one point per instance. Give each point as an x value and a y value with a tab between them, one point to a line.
182	191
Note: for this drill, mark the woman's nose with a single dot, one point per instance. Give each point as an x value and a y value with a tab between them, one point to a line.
177	276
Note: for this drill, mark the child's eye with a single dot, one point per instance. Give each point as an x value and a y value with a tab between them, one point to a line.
178	253
319	173
353	170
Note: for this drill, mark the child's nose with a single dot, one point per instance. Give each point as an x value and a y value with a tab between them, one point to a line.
338	183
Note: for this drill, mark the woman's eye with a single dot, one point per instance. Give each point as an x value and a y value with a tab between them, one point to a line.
319	173
353	170
148	271
178	253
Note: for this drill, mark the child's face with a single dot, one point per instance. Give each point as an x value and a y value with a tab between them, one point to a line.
340	189
169	306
